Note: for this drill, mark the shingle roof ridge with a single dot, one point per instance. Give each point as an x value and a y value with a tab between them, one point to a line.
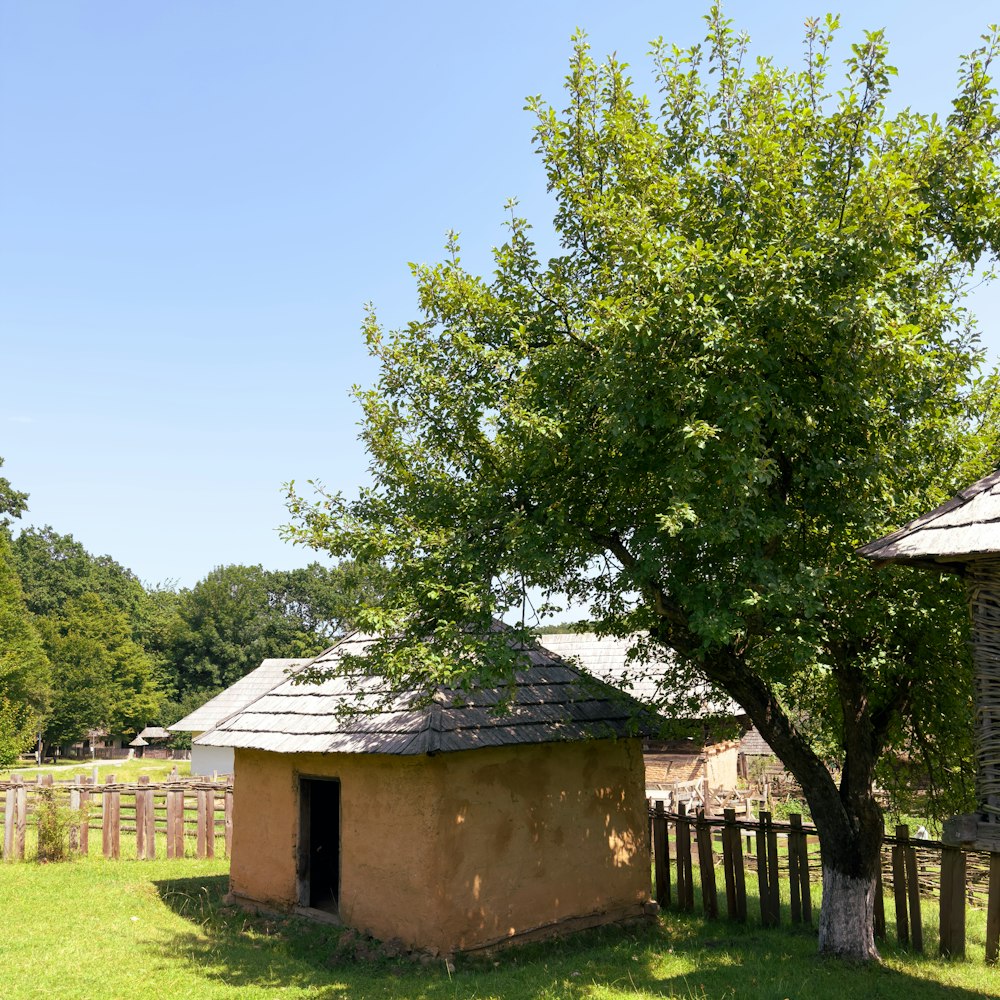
872	549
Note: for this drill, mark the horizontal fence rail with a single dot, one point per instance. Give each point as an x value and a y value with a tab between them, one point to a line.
186	816
777	854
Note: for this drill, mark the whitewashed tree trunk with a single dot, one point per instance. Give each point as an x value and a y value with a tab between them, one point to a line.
847	918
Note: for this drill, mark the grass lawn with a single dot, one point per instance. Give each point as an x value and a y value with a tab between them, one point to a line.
93	929
123	770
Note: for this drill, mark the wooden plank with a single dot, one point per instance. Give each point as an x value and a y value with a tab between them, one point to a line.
763	889
805	886
952	919
740	875
85	816
8	821
773	881
685	881
145	820
706	866
140	825
993	912
661	855
899	886
913	894
958	907
205	838
794	882
111	820
20	820
74	830
879	904
913	897
175	801
729	863
229	837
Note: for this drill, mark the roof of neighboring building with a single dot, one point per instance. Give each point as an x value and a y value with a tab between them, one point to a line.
754	745
945	539
155	733
356	712
650	681
236	696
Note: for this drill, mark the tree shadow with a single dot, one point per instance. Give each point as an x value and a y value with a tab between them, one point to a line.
680	956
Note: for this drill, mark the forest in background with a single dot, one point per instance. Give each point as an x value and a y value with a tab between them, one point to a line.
86	645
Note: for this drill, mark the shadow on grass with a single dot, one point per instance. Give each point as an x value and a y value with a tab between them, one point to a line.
681	956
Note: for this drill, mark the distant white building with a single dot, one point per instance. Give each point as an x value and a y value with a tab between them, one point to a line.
236	697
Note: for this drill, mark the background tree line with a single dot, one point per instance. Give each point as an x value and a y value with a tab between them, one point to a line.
85	645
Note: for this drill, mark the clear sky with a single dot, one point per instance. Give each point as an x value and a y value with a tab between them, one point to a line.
198	199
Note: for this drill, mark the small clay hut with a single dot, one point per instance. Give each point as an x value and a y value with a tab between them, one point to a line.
963	536
429	818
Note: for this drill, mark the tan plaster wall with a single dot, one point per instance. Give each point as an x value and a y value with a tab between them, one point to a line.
722	766
387	816
457	850
535	836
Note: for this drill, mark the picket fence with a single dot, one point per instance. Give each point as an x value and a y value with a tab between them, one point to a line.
913	870
183	813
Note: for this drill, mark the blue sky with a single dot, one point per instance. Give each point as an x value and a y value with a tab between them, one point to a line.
198	199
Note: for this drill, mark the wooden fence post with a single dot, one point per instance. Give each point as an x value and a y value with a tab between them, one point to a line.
706	866
732	860
952	903
794	881
899	888
74	830
206	823
661	852
763	891
767	871
993	911
175	822
111	820
685	883
805	887
913	894
85	815
774	879
229	838
10	808
145	821
879	903
21	819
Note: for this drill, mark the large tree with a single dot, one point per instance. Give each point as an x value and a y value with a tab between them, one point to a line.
25	678
103	679
749	356
238	615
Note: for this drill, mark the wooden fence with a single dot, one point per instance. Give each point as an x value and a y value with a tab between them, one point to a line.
915	871
183	813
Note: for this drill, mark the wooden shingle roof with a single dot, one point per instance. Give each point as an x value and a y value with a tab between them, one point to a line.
965	527
358	712
247	689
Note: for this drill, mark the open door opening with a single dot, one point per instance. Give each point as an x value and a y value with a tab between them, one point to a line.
319	844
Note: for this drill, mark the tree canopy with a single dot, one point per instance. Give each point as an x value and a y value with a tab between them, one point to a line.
749	356
239	615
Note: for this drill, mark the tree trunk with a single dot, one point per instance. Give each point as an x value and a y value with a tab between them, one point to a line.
848	819
847	916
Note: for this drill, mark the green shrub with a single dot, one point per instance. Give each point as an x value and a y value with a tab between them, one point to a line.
54	824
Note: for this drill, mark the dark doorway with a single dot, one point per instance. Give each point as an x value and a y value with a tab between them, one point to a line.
319	843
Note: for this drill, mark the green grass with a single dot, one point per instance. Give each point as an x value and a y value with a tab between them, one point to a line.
123	770
95	929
